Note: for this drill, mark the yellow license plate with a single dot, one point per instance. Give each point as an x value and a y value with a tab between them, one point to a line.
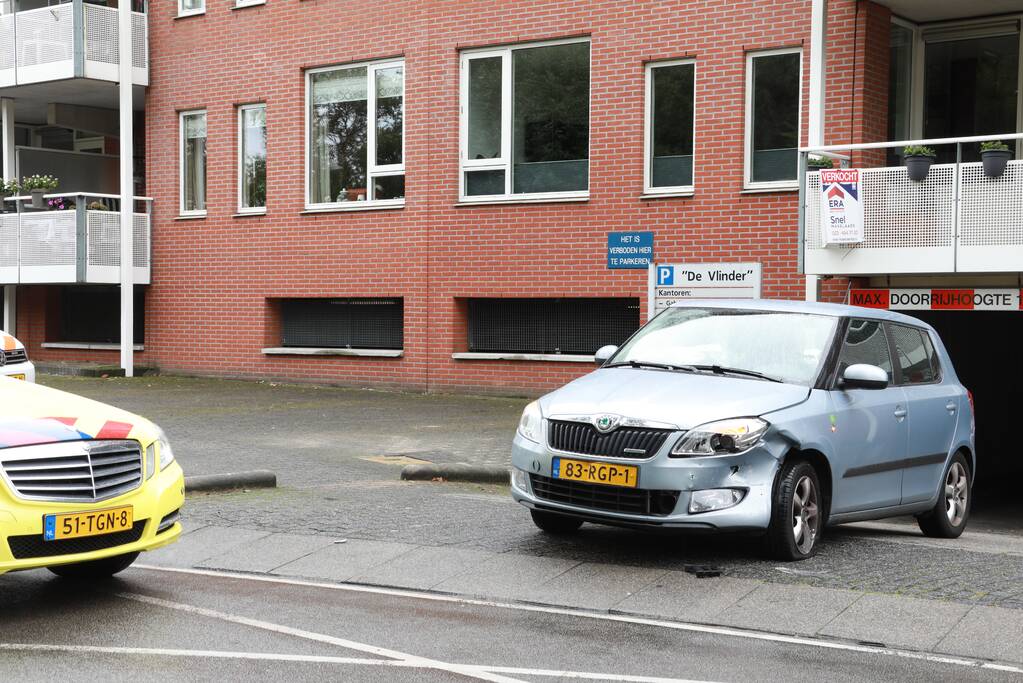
95	523
595	472
18	376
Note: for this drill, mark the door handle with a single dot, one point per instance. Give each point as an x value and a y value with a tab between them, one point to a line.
951	408
900	413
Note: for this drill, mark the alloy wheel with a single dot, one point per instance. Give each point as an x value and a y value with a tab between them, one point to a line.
805	514
957	491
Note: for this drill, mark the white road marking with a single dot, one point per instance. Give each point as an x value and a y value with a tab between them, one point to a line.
325	659
621	618
320	638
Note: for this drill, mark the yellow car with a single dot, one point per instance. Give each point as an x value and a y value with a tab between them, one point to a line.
84	487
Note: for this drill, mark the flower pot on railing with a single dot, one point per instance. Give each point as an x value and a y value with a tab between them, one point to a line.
918	162
995	156
38	199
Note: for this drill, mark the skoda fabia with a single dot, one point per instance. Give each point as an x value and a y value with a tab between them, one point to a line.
766	416
84	487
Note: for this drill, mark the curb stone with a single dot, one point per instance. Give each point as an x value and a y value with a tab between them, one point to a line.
482	474
255	479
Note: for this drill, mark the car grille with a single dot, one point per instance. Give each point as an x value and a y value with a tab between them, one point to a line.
624	442
73	471
26	547
600	497
13	356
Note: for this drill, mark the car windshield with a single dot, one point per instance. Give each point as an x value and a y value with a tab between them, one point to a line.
788	347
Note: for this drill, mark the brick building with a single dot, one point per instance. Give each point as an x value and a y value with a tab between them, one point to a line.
419	194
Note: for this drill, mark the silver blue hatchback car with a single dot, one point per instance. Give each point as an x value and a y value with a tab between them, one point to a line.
769	416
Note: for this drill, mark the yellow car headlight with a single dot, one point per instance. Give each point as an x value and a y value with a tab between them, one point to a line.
161	446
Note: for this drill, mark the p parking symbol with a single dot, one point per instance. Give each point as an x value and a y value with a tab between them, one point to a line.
665	275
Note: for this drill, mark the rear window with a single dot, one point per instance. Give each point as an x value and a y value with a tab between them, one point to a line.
915	355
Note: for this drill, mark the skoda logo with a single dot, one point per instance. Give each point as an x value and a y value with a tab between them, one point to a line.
606	423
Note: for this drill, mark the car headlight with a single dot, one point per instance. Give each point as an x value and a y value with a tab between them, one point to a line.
724	437
165	450
531	423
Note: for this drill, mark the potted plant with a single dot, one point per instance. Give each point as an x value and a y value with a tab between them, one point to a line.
918	161
8	188
817	163
995	155
38	186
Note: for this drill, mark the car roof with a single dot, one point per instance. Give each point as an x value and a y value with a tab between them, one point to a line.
807	307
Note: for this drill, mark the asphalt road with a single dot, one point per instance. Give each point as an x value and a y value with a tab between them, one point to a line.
169	625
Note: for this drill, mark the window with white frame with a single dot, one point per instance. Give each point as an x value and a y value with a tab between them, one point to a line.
670	116
186	7
252	158
526	121
356	136
193	163
773	97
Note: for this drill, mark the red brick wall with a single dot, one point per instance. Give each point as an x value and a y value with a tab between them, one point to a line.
212	277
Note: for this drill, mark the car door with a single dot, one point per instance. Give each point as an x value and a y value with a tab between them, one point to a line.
933	407
869	426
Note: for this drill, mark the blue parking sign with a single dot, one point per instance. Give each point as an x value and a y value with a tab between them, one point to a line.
665	275
630	249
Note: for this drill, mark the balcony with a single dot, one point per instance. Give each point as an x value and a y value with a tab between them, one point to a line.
957	220
65	41
78	245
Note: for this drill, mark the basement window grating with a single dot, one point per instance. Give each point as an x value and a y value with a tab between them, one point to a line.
363	323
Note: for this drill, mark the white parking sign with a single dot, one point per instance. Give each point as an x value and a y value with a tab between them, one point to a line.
668	284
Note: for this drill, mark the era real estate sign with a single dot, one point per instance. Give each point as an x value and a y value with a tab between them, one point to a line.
841	206
671	283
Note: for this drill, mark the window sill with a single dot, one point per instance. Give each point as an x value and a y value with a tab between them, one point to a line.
248	5
753	189
187	15
191	217
562	199
314	351
249	214
87	346
667	195
543	357
358	206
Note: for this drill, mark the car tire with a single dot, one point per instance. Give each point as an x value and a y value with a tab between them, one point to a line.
552	523
94	569
955	498
797	514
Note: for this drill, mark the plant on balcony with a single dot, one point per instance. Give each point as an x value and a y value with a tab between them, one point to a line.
918	161
816	163
995	155
8	188
37	186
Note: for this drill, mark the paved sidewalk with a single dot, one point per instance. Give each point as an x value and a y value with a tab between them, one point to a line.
934	626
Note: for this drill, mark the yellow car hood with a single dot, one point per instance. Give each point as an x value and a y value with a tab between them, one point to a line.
34	414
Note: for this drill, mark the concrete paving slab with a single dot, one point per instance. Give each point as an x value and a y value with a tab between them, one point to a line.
988	632
802	610
506	576
344	561
897	621
424	567
594	586
192	549
679	595
268	553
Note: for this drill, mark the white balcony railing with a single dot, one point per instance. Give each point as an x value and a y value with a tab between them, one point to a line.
957	220
69	40
75	245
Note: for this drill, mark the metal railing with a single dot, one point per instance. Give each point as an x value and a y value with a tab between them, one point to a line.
75	239
955	220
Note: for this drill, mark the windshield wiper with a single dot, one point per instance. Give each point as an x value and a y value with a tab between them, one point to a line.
723	370
652	364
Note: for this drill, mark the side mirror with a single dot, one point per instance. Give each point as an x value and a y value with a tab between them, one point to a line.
864	376
603	353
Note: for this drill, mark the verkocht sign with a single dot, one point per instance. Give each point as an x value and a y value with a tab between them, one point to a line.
938	299
841	206
671	283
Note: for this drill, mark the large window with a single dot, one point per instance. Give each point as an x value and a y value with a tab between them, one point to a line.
252	158
669	126
92	314
356	135
186	7
550	326
526	121
193	163
773	93
343	323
